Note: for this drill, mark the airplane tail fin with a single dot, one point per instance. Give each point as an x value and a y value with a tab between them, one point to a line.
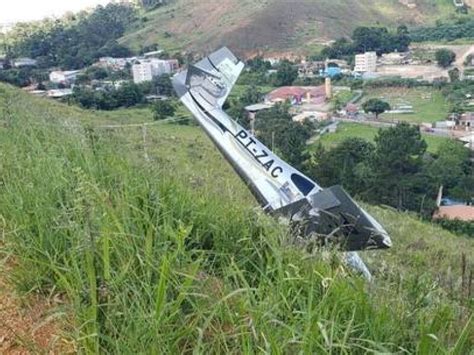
214	76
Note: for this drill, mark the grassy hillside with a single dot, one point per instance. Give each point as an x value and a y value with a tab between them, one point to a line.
166	250
248	26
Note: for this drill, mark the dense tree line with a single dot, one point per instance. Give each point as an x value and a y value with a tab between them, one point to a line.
22	77
257	73
462	28
396	170
75	41
366	39
127	95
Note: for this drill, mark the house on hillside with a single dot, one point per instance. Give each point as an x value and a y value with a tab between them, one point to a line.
351	110
115	63
252	110
310	69
456	212
153	54
395	58
298	95
332	71
311	116
146	70
63	77
466	121
24	62
59	93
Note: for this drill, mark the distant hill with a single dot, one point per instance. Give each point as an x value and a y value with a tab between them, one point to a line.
249	26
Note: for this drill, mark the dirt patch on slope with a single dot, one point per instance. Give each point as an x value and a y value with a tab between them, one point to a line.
28	326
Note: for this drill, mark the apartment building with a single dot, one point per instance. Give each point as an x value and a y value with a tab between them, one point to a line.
366	63
148	69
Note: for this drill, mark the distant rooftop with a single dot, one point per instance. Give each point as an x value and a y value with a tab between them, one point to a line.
258	107
461	212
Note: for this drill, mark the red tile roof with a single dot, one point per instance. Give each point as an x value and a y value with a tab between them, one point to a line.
462	212
352	108
318	93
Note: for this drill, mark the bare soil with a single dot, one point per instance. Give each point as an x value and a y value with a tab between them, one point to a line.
29	325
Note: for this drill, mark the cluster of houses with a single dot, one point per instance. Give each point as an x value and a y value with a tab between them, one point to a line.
369	65
327	68
308	102
143	68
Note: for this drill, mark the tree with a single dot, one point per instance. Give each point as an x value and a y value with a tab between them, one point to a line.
454	75
129	94
286	74
163	109
163	85
451	169
343	164
403	38
75	41
236	107
445	57
398	178
375	106
277	130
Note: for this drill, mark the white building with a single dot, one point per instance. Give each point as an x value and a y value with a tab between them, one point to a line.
147	70
115	63
366	62
24	62
142	72
63	77
59	93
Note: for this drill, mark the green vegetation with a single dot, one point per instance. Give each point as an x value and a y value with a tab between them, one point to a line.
429	105
72	42
23	76
276	129
168	254
445	57
366	39
163	110
126	95
447	31
459	94
375	106
359	130
397	170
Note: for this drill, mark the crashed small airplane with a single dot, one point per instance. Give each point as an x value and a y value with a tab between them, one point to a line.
329	215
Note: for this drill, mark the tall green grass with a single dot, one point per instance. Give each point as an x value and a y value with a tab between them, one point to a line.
150	261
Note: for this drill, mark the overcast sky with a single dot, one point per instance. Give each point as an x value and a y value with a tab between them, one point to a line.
26	10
